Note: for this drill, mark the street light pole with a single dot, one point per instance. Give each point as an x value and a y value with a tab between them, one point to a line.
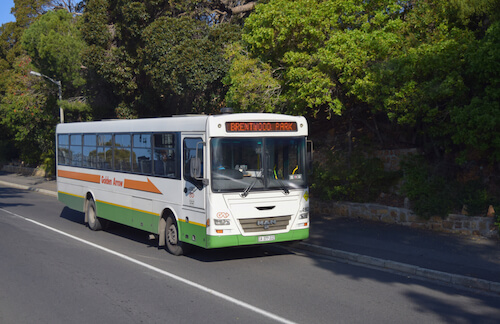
61	112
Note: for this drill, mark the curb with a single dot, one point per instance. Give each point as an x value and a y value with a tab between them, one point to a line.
443	277
39	190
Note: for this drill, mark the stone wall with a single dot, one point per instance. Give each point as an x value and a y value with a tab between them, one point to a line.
460	224
36	172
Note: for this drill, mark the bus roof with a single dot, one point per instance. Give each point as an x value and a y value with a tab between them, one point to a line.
194	123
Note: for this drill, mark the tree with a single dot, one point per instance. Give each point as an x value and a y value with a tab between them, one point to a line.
184	58
313	49
22	114
406	61
252	87
28	114
128	42
55	45
477	123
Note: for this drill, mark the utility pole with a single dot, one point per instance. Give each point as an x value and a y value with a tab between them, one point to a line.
61	112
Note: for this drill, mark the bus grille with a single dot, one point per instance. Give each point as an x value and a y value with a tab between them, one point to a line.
251	225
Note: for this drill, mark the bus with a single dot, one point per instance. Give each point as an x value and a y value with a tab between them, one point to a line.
210	181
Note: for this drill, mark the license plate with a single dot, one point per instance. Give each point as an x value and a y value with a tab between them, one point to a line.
267	238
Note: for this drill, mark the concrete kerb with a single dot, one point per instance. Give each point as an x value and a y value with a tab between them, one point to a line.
23	187
444	277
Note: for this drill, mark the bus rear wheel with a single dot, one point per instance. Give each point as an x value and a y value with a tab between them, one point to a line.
93	220
174	245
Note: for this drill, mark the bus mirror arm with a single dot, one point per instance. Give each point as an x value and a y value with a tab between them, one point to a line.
309	156
197	165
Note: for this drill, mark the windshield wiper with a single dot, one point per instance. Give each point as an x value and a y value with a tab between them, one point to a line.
283	187
250	186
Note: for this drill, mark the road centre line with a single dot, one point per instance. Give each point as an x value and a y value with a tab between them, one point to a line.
160	271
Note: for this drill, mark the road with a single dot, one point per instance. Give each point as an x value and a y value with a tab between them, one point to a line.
53	269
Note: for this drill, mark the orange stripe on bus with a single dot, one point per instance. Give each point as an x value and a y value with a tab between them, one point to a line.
79	176
141	185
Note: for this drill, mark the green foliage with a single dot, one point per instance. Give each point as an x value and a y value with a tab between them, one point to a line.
55	45
357	178
75	110
252	87
28	114
474	197
157	57
428	191
94	25
432	192
123	111
286	37
49	163
477	123
421	64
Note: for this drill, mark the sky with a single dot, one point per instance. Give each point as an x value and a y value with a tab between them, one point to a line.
5	7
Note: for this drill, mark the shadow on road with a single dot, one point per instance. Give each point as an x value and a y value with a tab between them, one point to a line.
10	193
195	253
73	215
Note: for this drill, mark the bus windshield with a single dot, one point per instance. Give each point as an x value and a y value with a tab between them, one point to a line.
258	163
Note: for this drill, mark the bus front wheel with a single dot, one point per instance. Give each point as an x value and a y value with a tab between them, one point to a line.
93	221
174	245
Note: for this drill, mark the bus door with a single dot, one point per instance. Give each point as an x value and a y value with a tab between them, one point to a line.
194	191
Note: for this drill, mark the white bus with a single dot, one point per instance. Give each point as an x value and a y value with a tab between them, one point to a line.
210	181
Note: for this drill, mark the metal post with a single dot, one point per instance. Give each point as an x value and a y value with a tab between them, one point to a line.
61	111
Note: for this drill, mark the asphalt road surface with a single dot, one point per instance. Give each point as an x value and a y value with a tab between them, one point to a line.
53	269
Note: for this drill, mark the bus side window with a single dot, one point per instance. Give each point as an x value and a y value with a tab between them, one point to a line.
90	150
104	151
165	158
75	147
141	153
63	149
122	152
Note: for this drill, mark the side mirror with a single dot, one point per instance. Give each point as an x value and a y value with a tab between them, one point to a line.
195	167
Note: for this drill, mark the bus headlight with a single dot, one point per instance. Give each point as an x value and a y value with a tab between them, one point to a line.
304	213
222	222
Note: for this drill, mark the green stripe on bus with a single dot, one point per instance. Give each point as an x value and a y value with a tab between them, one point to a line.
127	216
193	233
236	240
72	201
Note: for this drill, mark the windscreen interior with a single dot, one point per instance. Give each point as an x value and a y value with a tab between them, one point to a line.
258	163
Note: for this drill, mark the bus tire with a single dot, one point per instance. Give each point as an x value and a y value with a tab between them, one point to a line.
93	221
172	242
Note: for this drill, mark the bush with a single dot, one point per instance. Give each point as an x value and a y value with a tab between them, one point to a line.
433	194
363	181
427	189
474	196
49	164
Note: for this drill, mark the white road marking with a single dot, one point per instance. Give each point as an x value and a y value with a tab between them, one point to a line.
163	272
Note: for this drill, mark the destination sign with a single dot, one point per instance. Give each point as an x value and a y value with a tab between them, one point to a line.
261	126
